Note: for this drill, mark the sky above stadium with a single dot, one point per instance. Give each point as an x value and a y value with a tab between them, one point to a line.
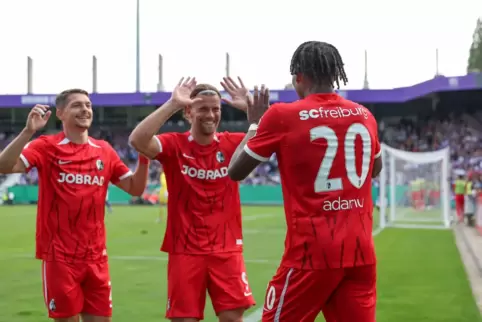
193	36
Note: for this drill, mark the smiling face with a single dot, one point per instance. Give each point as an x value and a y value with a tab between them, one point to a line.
74	109
205	114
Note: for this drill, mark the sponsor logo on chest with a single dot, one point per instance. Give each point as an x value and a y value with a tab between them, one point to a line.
83	179
77	178
205	174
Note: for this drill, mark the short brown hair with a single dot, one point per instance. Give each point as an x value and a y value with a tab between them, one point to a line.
204	87
62	99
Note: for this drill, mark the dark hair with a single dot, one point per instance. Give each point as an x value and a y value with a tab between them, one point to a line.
204	87
319	61
63	98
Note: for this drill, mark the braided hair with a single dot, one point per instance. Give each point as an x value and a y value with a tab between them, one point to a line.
319	61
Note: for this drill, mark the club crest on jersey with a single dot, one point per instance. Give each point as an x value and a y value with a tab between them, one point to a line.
220	157
52	306
99	164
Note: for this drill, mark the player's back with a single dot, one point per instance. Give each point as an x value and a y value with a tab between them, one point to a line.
326	159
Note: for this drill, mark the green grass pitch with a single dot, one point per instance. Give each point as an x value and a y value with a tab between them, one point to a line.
421	277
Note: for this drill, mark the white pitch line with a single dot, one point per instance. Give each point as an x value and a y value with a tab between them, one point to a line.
258	314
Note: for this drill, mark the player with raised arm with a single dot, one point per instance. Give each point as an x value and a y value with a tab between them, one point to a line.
74	172
204	232
328	151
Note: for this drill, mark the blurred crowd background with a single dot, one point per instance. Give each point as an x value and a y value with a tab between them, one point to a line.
460	131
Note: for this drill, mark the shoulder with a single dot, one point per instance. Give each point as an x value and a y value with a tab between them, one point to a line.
278	113
365	112
283	107
45	140
231	137
100	143
177	137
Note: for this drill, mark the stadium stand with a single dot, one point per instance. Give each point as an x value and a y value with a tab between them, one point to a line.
410	134
425	117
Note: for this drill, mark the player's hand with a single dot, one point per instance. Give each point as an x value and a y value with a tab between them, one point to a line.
260	104
240	96
181	95
38	117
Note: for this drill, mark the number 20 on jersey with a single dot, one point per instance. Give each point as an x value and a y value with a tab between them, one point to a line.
322	183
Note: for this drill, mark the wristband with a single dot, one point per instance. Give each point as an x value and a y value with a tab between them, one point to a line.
143	159
253	127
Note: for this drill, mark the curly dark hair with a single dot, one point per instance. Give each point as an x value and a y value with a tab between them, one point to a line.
319	61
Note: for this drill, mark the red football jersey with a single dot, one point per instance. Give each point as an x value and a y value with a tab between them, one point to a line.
204	210
73	181
326	146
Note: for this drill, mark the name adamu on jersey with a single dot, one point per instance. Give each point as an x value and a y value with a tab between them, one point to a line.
334	113
205	174
342	204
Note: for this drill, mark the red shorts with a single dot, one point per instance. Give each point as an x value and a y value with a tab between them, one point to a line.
71	289
223	275
343	295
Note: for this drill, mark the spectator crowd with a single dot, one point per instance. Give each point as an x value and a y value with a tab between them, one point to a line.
405	134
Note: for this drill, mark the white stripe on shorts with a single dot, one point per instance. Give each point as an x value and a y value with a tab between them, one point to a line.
282	297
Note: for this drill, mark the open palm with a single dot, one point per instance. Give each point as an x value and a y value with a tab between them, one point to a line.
240	96
181	94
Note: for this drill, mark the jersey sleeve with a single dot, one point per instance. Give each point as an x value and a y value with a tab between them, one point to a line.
32	153
167	146
267	139
119	170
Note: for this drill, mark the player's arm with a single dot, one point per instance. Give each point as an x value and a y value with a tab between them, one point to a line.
258	145
12	160
132	183
377	164
377	167
143	137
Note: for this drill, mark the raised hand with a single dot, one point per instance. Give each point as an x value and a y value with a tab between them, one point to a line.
181	95
259	105
38	117
240	96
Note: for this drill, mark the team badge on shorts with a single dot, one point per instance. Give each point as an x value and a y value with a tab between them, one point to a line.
52	306
220	157
99	164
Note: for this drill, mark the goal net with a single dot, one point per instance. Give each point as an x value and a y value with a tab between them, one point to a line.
414	189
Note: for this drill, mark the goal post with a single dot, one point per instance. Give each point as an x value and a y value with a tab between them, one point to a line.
414	189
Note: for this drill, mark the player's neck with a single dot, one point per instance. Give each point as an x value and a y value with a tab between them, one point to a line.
320	90
76	136
202	139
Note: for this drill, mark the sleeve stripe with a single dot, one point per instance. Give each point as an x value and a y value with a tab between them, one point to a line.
254	155
127	175
379	154
159	143
25	161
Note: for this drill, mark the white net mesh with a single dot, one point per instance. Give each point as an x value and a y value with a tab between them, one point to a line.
416	189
